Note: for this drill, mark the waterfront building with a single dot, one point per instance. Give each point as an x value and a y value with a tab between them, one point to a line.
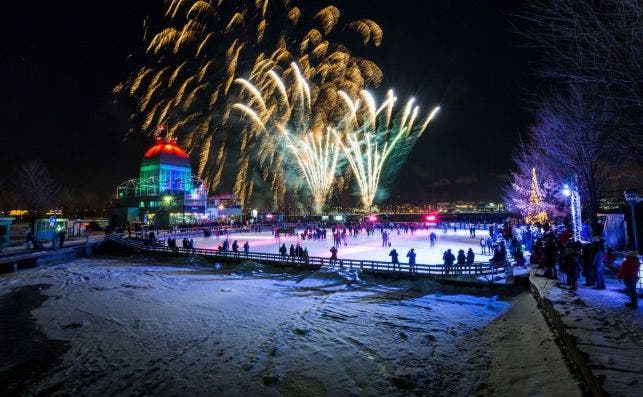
166	192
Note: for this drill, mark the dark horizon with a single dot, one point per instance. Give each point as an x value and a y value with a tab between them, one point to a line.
59	71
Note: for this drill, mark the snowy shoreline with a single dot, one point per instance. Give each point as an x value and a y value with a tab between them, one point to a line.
246	330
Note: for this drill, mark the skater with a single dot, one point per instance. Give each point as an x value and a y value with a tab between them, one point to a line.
433	237
394	258
629	273
411	256
235	247
246	248
483	245
384	238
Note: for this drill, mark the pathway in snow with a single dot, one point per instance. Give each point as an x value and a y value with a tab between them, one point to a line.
608	332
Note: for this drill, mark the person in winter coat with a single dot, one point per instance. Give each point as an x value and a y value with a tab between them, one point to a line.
246	248
394	258
448	259
599	262
471	256
629	273
587	260
333	254
462	258
571	265
411	256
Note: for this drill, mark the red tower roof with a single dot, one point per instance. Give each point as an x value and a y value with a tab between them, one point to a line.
165	147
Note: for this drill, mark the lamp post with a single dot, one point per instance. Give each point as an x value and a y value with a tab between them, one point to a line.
571	191
632	197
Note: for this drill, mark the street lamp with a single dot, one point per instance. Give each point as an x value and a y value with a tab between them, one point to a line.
632	197
566	190
571	191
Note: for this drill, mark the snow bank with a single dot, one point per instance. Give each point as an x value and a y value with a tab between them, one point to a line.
154	328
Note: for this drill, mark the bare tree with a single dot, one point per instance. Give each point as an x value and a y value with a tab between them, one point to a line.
36	189
570	135
593	44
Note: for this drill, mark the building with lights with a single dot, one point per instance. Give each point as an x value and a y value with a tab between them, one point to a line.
166	192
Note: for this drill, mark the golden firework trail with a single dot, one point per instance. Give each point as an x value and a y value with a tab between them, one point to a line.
373	137
284	114
197	49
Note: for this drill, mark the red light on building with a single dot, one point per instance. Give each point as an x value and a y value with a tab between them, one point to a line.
372	218
166	147
430	218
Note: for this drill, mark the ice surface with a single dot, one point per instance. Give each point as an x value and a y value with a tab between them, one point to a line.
363	246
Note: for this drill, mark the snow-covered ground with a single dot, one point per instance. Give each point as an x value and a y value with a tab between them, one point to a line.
185	328
610	334
363	246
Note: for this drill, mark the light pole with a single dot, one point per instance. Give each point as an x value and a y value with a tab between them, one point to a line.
632	197
571	191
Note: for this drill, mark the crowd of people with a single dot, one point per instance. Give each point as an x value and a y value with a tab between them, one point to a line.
559	253
564	258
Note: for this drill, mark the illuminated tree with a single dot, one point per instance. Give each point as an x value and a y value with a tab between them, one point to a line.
517	196
535	212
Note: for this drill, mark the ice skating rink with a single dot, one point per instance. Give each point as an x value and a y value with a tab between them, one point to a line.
363	246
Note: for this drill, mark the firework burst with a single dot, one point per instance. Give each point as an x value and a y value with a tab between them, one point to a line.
375	140
294	122
288	114
198	49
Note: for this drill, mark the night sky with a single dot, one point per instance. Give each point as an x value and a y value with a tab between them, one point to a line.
60	60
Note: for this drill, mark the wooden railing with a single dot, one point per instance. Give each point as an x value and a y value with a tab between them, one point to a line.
315	262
